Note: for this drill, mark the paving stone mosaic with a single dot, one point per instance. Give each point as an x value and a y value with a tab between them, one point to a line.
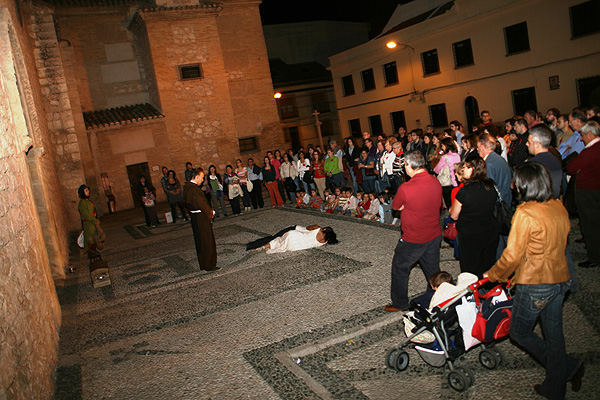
303	325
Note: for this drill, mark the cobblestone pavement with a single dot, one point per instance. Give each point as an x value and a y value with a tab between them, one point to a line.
303	325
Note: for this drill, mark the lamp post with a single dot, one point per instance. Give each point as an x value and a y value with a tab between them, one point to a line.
318	125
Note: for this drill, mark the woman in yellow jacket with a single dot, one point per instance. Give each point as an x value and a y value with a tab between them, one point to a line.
535	253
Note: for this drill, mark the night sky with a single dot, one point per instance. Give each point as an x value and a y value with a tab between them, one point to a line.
377	12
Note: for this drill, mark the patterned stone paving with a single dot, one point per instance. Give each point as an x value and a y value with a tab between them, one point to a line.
303	325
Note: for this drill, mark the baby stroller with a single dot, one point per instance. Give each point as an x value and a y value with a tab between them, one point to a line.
475	316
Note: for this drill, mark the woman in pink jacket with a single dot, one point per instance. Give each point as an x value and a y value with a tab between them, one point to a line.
445	169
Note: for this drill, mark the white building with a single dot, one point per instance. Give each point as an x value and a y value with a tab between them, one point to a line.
454	59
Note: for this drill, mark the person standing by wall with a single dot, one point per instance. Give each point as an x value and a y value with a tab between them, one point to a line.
93	234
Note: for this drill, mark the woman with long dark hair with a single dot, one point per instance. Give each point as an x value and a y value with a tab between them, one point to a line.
473	211
535	254
318	167
214	185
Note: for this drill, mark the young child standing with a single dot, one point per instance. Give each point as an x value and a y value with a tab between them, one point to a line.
149	203
385	208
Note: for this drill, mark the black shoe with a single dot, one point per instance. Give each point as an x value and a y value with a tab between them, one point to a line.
588	264
576	379
538	390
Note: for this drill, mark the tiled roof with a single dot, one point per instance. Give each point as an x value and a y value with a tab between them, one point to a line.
175	8
92	3
120	116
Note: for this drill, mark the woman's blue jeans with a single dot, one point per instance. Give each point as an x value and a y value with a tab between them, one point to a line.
545	302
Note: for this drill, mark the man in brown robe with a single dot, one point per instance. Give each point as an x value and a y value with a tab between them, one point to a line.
202	215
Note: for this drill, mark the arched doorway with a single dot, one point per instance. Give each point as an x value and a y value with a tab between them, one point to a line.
472	112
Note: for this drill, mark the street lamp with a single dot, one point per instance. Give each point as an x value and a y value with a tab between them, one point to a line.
277	95
391	45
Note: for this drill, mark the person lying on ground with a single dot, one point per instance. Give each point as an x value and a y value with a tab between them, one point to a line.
294	238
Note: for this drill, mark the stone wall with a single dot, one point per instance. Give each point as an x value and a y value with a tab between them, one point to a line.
58	111
29	309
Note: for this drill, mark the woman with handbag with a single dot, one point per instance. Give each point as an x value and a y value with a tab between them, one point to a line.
366	163
142	188
303	167
289	174
445	169
473	211
536	255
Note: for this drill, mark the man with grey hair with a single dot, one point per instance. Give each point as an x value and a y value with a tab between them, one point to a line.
538	144
587	191
500	172
420	202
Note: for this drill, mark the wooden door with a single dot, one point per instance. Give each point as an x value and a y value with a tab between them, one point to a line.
134	172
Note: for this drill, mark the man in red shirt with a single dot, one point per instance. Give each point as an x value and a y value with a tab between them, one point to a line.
587	191
420	202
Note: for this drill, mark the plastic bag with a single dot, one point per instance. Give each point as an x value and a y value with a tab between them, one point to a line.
81	240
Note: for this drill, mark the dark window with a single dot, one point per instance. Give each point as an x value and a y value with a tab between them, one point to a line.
326	128
354	125
524	100
320	102
585	18
430	61
375	124
248	145
348	85
437	114
368	79
390	73
287	108
588	91
463	53
190	71
398	120
516	38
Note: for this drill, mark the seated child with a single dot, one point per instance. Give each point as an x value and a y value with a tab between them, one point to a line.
341	201
373	210
329	201
351	204
385	208
300	199
441	282
315	201
363	203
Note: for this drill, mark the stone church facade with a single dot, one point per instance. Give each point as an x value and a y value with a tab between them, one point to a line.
98	92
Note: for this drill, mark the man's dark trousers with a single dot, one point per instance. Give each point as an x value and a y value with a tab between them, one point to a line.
405	256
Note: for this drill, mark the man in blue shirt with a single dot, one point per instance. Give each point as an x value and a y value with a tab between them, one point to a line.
573	144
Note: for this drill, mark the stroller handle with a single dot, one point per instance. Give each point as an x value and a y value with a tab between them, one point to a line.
474	286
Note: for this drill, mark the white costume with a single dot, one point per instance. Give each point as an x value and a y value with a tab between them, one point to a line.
298	239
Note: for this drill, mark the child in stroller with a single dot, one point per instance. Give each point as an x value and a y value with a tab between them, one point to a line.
442	339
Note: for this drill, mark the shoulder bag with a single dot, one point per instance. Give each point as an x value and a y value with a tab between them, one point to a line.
444	176
503	214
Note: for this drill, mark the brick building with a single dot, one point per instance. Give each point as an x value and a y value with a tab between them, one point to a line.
98	92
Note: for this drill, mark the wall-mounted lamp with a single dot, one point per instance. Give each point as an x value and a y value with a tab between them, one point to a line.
277	95
391	45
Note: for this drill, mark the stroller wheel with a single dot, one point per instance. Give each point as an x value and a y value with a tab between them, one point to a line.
489	358
468	373
397	360
499	354
458	380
